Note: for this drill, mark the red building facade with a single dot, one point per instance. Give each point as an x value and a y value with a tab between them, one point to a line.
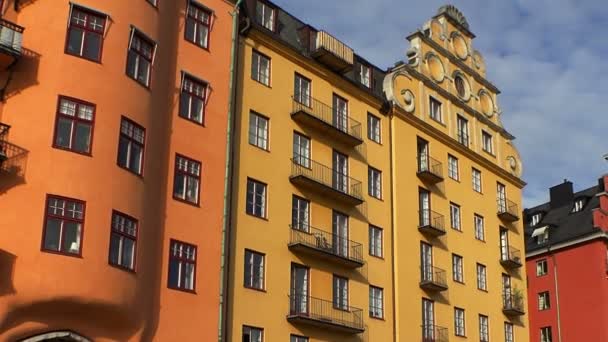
567	265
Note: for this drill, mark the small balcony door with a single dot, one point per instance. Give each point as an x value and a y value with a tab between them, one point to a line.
426	261
506	291
423	155
340	172
340	234
501	197
463	130
424	205
340	113
300	214
428	320
299	289
504	244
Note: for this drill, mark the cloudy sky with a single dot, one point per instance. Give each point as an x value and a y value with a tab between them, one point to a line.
548	57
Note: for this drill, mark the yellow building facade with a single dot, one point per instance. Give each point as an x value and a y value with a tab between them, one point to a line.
347	220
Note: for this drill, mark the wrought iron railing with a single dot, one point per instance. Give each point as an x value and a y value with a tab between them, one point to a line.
429	218
506	206
301	305
337	48
433	275
302	233
10	35
427	163
12	157
327	114
326	176
511	254
512	301
434	333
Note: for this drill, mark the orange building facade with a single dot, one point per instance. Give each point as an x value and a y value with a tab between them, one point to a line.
113	151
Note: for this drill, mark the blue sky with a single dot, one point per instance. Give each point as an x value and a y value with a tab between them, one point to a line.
548	57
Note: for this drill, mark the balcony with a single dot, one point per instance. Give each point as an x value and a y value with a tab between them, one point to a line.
333	53
433	279
12	157
511	257
327	182
513	304
507	210
434	333
429	169
323	118
431	223
10	43
324	314
315	242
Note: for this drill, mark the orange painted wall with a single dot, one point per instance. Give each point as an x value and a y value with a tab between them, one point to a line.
40	291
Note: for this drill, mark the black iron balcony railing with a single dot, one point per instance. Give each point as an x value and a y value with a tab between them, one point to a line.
463	138
429	168
308	172
325	244
332	52
513	303
311	111
510	257
433	278
434	333
12	157
10	37
430	222
324	313
507	210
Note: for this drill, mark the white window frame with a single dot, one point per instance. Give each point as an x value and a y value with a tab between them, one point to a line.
542	267
455	219
459	322
259	334
365	75
435	109
536	219
259	128
376	241
487	142
262	10
341	293
546	334
482	277
484	328
509	332
544	301
374	128
255	270
302	90
453	168
457	268
374	182
480	233
376	302
301	149
252	191
259	71
476	180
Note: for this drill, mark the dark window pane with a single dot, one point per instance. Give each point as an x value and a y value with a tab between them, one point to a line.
51	236
64	132
75	40
179	185
197	110
92	46
114	248
174	273
190	27
131	63
143	71
71	237
123	149
136	153
82	139
184	105
128	253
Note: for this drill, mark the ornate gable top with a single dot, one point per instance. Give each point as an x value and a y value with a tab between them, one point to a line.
455	14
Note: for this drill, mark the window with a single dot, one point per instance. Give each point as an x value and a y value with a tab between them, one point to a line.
264	15
455	216
300	213
153	2
546	335
192	99
435	110
501	197
186	184
295	338
453	167
541	235
457	268
140	57
462	126
340	234
340	293
476	179
509	332
486	140
340	119
460	86
301	150
260	68
459	322
302	90
74	125
131	144
544	301
480	233
374	178
365	74
375	241
373	128
484	334
254	270
578	205
536	219
256	198
63	226
482	282
182	266
123	240
251	334
198	23
85	34
376	302
541	267
258	130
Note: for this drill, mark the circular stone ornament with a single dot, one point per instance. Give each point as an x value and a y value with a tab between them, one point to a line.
436	68
486	103
408	100
459	46
463	89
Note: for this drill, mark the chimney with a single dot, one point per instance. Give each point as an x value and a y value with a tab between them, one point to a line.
603	184
561	194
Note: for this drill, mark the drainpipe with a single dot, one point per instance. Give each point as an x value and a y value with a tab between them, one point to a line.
559	322
223	305
393	228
